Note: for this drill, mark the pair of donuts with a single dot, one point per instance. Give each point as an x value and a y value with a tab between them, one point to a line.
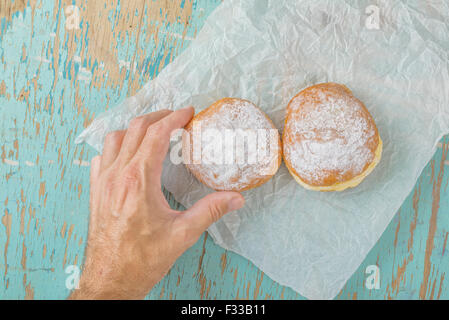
330	142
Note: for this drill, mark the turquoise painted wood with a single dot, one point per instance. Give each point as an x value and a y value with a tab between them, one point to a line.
63	62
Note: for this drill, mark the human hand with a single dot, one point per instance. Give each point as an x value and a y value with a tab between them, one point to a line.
134	236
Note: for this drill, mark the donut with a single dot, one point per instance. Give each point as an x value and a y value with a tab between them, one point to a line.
232	146
330	140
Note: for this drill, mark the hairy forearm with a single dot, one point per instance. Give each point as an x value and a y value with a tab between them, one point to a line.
86	292
134	235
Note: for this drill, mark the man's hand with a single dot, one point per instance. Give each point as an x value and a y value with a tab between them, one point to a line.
134	235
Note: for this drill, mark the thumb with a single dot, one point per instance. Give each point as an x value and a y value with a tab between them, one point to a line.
211	208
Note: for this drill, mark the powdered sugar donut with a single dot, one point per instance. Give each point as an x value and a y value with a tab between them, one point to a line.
330	139
232	145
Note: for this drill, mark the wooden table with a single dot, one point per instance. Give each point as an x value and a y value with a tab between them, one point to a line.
63	64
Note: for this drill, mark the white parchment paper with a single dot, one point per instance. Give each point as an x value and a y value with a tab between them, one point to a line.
267	51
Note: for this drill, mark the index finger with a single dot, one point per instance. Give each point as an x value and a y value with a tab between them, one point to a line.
156	142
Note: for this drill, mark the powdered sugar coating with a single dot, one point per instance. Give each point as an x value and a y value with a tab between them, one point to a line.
230	121
329	136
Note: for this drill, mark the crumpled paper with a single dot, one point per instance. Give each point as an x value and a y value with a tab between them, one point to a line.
267	51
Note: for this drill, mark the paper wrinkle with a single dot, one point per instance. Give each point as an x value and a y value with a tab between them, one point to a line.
266	51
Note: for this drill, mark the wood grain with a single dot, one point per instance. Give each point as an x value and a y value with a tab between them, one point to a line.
58	72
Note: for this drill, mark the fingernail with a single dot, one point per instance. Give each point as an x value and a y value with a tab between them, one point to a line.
236	203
